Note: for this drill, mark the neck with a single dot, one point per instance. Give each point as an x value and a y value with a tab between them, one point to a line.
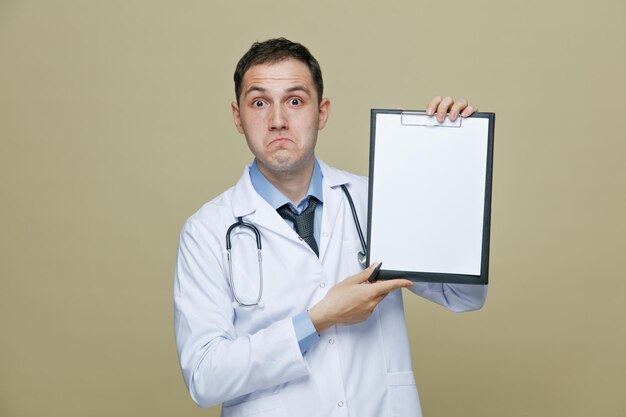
293	184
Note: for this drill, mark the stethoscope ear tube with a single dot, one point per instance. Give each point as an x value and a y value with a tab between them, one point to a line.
241	223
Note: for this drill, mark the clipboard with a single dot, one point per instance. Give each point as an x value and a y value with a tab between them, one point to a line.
429	203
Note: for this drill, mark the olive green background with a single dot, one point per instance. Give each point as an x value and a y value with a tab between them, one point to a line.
115	126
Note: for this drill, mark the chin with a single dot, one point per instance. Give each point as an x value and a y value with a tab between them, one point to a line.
285	164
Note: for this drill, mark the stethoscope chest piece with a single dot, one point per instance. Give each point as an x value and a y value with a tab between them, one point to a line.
362	259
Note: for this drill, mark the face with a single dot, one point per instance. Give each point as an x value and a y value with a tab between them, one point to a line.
279	114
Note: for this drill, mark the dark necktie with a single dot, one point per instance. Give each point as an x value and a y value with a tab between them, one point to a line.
303	222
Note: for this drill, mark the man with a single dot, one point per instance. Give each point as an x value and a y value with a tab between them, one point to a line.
300	331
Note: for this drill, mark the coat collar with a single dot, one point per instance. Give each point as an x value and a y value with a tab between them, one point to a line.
245	198
246	202
333	177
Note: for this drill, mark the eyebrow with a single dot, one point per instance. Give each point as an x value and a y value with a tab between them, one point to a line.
289	90
299	88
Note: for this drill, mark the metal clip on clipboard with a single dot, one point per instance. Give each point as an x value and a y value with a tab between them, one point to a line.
412	118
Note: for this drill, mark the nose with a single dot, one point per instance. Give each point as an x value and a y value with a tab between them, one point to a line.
278	120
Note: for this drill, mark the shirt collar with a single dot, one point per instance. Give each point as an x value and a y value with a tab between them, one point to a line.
276	198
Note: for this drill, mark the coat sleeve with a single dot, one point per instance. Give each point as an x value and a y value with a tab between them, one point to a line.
217	363
455	297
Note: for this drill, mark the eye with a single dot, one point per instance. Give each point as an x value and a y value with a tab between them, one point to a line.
295	101
258	103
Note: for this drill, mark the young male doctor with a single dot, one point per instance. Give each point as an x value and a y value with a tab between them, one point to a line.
294	329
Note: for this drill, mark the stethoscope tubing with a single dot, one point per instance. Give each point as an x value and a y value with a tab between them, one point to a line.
241	223
362	254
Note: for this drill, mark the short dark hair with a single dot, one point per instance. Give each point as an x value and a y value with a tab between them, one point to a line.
276	50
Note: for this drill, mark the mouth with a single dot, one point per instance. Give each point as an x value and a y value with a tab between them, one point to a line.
279	141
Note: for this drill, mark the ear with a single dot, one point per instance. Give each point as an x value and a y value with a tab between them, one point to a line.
323	114
236	116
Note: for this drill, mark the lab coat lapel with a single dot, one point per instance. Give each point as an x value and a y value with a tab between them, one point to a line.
333	202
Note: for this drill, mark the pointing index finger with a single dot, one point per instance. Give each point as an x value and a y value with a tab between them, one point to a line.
385	287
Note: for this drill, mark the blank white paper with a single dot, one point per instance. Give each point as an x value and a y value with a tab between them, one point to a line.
428	196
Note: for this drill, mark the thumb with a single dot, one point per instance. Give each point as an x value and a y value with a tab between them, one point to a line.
361	276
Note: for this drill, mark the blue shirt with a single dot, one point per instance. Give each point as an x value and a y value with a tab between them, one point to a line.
305	331
276	198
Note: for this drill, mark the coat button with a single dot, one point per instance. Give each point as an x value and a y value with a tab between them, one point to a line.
331	341
340	403
322	284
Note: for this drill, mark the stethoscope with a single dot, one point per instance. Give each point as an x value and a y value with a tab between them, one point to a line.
362	255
